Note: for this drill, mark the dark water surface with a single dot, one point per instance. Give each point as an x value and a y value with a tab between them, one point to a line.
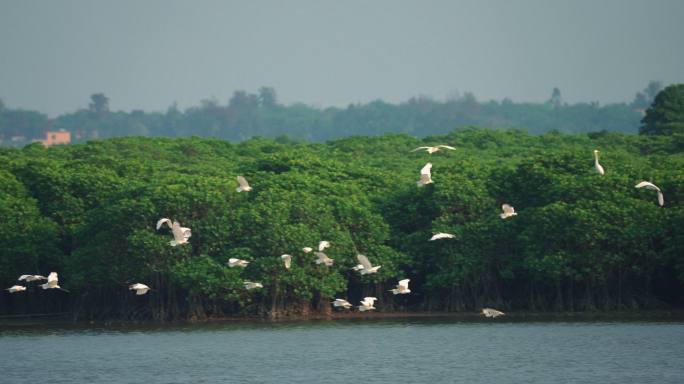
346	351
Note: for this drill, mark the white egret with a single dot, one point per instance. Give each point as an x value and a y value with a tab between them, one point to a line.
233	262
180	234
508	211
489	312
307	249
441	235
287	259
341	303
139	288
244	185
29	278
598	166
402	287
323	259
367	304
52	282
431	150
652	187
252	285
16	288
323	245
425	175
366	266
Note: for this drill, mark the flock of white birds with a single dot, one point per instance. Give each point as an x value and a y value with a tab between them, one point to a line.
182	234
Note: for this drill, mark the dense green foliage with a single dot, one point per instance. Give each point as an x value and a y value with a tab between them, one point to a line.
581	241
247	115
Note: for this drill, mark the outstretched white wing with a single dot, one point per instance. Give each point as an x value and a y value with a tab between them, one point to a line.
419	148
447	147
162	221
364	261
442	235
244	185
404	283
647	185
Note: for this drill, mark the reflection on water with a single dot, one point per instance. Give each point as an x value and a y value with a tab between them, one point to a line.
435	350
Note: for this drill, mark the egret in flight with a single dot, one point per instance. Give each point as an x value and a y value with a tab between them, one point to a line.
652	187
16	288
323	245
341	303
431	150
425	175
323	259
52	282
402	287
367	304
244	185
180	234
29	278
233	262
366	266
508	211
441	235
252	285
140	289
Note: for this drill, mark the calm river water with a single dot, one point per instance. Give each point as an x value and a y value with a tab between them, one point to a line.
350	351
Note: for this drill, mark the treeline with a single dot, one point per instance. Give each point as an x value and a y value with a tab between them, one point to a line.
259	114
580	241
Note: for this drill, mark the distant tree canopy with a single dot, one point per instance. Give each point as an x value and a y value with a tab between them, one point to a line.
247	114
666	114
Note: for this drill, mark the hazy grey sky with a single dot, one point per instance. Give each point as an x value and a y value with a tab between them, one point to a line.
148	54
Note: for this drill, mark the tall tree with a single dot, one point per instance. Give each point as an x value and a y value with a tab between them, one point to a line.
666	114
267	96
99	104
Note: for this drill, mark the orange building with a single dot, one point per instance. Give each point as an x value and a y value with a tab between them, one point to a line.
56	137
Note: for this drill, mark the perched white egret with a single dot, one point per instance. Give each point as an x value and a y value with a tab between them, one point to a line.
508	211
233	262
341	303
180	234
16	288
323	245
287	259
652	187
366	266
441	235
139	288
402	287
323	259
425	176
367	304
307	249
431	150
29	278
244	185
52	282
598	166
489	312
252	285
